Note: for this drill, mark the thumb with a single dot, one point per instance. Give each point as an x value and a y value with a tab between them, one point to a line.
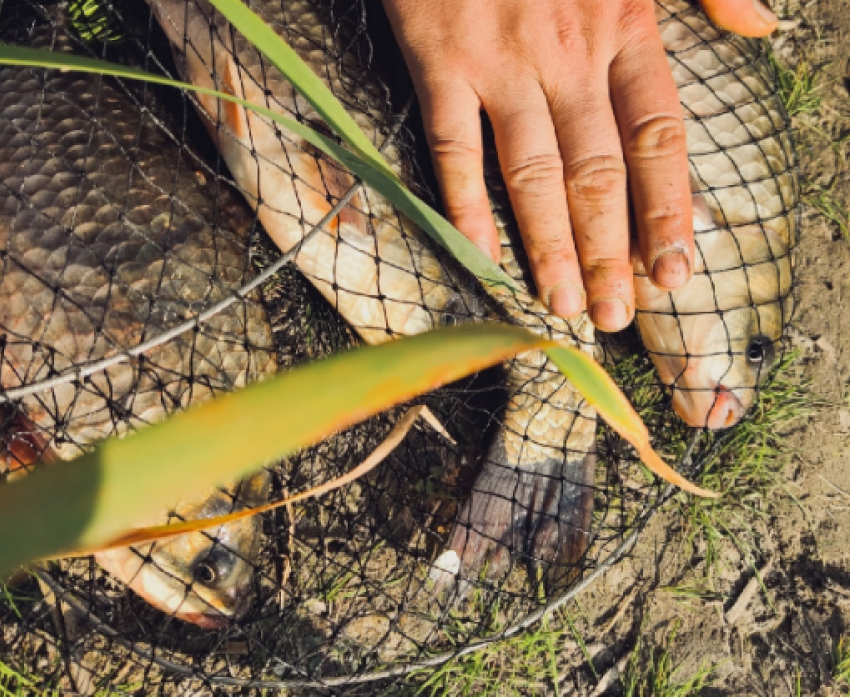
744	17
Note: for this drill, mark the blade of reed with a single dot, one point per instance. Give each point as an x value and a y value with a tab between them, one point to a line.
98	497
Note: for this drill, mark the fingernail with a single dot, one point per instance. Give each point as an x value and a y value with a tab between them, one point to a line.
671	270
610	314
566	300
765	12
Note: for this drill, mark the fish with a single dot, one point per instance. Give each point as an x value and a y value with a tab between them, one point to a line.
203	578
532	500
110	235
715	341
533	497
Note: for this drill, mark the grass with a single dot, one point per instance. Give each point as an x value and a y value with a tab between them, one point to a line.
15	684
840	656
826	202
522	665
94	21
651	672
799	87
695	594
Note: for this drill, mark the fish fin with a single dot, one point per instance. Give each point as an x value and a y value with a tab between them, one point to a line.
22	446
538	515
703	219
328	176
214	112
217	112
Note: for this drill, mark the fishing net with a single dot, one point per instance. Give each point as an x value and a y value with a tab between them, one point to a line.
137	281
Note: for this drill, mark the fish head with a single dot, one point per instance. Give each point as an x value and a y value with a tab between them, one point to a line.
202	577
715	340
726	358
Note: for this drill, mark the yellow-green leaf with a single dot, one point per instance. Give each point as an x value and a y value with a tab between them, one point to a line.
94	499
159	532
597	387
99	496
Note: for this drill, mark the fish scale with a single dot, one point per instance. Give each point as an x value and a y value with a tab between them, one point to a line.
100	255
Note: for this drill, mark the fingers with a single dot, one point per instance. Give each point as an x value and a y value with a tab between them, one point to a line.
595	175
744	17
453	124
654	144
533	171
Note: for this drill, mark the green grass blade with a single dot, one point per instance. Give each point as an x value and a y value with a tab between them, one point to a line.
443	232
120	484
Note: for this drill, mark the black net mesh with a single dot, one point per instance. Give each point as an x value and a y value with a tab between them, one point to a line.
142	272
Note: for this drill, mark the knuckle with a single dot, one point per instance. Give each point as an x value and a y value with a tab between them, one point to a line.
447	147
601	268
533	172
551	257
606	272
465	207
604	262
672	214
658	136
598	178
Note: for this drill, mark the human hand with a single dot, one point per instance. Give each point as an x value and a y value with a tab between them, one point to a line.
580	96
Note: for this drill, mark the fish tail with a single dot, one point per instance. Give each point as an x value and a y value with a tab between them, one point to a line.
533	499
539	516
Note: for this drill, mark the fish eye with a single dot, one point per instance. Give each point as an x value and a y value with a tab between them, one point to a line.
205	573
759	351
214	567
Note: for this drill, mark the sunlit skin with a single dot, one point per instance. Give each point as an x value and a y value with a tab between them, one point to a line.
585	113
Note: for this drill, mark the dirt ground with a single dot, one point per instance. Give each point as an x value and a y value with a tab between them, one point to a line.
782	642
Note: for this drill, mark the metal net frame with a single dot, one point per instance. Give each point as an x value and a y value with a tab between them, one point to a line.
341	590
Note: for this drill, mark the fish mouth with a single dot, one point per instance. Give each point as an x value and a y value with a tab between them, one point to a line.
220	612
204	620
717	408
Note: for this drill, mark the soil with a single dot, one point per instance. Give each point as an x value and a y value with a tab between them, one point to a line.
782	642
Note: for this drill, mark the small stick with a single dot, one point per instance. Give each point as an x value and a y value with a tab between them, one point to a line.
747	595
625	604
839	490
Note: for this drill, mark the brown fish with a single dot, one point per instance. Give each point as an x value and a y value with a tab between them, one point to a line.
386	279
109	237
